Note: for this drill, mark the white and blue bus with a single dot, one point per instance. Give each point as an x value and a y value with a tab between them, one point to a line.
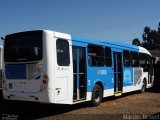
52	67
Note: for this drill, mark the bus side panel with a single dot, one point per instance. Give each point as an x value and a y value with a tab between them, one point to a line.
63	91
49	52
128	76
103	75
137	75
132	83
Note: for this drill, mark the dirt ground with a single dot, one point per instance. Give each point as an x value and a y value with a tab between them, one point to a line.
130	106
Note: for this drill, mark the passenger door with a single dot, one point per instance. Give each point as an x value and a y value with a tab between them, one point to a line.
118	73
79	73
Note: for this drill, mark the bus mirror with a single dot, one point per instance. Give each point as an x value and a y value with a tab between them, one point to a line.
2	38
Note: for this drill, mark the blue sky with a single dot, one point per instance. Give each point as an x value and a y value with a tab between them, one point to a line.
121	20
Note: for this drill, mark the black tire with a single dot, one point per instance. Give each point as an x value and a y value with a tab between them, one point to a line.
143	88
96	95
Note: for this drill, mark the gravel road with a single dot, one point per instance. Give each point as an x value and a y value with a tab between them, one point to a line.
130	106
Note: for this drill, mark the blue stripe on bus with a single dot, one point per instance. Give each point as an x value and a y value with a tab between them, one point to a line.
15	71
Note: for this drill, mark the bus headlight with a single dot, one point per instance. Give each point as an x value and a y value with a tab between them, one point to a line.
44	82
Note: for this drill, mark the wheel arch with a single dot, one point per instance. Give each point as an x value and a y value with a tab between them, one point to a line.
101	85
97	93
145	80
144	85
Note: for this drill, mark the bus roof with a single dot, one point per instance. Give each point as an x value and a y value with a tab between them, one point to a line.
143	50
111	43
106	42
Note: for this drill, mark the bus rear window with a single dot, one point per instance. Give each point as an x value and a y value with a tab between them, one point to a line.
23	47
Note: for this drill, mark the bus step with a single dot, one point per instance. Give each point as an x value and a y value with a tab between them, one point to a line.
81	99
118	94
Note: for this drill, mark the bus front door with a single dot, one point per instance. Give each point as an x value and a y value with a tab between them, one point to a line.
118	73
79	74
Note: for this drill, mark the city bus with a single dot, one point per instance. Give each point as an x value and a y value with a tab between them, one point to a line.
52	67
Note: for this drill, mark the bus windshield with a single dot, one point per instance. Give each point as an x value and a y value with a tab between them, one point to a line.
23	47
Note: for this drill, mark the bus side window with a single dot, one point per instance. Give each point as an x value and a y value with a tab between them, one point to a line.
108	56
90	60
134	59
143	61
137	61
126	56
95	55
62	52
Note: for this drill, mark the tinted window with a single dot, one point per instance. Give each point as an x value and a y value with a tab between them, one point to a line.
23	47
108	56
126	56
95	55
145	61
134	57
62	52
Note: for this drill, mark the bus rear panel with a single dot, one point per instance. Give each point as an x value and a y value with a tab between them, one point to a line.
24	76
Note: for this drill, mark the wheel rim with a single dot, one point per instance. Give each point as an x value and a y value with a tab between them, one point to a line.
143	87
97	95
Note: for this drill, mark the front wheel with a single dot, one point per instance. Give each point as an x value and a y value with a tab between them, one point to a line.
96	95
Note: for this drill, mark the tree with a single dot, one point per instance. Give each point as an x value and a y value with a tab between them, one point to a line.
158	46
151	38
136	41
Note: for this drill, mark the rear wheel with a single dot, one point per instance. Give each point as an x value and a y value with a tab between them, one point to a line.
143	88
96	95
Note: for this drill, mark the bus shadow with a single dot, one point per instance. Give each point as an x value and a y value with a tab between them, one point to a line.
122	96
30	110
154	89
